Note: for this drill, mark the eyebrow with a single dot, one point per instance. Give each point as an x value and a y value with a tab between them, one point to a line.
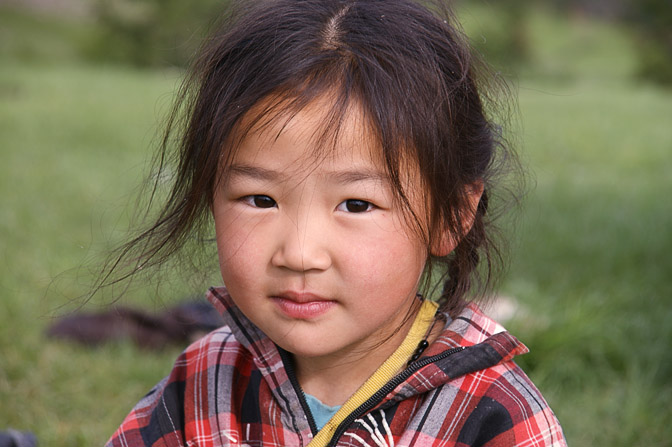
342	177
255	172
355	176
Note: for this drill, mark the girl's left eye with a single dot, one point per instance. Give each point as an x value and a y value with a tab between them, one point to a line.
355	206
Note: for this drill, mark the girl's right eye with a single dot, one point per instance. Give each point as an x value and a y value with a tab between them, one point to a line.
260	201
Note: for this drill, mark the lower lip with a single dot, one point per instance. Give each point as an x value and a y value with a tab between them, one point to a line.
303	311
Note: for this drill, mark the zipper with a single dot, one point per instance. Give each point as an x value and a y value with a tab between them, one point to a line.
289	367
385	390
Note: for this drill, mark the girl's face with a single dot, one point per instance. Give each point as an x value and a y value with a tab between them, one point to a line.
315	250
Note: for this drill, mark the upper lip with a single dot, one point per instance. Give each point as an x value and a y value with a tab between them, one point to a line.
301	297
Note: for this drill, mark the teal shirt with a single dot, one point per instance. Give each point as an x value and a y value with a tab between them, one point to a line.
321	412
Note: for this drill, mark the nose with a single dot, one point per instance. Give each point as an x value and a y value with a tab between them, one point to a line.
302	244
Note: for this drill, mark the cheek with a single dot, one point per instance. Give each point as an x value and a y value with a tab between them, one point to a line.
388	257
236	247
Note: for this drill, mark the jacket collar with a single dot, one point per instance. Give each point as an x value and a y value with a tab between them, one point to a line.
265	356
487	344
472	327
264	352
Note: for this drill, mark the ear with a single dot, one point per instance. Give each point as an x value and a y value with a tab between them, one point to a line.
447	240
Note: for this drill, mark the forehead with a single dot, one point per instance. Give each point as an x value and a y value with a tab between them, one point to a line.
322	128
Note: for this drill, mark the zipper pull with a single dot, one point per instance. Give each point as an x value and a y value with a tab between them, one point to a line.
418	351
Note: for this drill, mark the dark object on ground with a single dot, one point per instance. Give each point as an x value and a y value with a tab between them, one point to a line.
14	438
176	325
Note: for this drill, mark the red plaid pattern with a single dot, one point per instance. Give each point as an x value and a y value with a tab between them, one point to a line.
232	388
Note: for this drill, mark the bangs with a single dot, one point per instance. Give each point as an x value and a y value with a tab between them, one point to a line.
334	108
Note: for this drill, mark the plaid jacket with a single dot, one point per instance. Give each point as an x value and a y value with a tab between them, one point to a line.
235	388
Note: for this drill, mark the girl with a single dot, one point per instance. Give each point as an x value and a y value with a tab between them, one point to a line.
343	153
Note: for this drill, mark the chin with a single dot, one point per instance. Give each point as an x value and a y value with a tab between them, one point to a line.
304	351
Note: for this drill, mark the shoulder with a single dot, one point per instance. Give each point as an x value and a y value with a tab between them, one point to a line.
506	408
163	413
495	406
218	348
479	395
219	342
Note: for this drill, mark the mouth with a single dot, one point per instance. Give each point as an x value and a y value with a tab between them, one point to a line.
302	306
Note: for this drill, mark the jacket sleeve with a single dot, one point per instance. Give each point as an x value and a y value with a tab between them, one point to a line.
158	419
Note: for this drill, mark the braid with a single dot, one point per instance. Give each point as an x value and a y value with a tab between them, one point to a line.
463	262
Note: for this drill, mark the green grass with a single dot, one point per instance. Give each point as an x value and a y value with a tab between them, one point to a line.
594	260
559	49
39	39
73	142
591	263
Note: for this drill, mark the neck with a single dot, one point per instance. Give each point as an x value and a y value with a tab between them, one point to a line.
333	380
350	369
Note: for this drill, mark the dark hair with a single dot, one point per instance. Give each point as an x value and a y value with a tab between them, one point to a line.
408	69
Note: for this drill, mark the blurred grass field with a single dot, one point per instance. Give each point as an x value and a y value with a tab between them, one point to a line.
591	262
